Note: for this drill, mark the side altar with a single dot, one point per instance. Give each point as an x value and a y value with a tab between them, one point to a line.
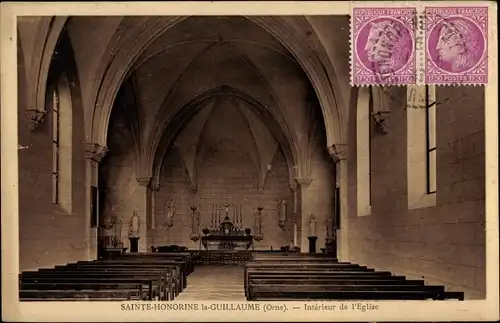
228	235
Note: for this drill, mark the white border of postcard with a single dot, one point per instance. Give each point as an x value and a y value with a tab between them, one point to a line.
13	310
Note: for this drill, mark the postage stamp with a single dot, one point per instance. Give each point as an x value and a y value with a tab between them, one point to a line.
456	45
383	46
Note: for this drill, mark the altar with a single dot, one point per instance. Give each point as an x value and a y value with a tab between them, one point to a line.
227	236
227	242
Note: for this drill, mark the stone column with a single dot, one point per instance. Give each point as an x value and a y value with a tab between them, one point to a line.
143	210
304	208
94	153
339	154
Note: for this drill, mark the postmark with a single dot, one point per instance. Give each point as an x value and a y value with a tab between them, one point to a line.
456	45
383	46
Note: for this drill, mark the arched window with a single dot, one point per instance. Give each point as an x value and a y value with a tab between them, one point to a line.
421	151
430	130
55	146
363	150
62	143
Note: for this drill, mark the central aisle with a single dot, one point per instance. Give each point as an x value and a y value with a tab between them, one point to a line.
215	283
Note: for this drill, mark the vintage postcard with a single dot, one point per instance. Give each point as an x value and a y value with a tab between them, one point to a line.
249	161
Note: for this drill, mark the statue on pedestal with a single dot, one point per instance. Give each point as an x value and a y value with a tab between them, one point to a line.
195	223
108	226
170	213
282	210
312	225
133	233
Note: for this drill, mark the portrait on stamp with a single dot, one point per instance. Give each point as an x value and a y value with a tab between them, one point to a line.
456	45
384	46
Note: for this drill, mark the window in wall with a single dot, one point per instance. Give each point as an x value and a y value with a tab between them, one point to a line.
421	146
430	128
62	143
363	158
55	146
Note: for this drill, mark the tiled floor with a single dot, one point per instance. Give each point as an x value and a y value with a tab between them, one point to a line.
212	282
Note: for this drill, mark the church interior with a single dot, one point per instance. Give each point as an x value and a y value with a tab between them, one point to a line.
228	157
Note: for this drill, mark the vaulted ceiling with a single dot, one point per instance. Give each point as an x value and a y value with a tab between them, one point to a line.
288	72
213	78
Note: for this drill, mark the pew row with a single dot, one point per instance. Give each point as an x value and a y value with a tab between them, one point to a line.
149	286
311	277
140	277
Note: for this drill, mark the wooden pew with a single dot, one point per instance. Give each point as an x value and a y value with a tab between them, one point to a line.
289	277
293	259
158	284
152	286
145	264
294	273
183	265
81	286
277	292
172	272
263	280
402	291
285	255
182	256
58	295
315	265
178	267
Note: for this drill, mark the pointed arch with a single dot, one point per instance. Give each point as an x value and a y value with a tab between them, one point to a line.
160	147
317	68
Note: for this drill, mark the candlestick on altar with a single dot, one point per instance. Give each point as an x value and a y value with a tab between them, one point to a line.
241	214
236	212
294	234
212	221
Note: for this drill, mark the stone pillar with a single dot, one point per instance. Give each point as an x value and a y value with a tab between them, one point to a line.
142	208
94	153
304	209
339	154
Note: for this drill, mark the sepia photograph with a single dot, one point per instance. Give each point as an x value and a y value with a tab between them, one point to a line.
322	163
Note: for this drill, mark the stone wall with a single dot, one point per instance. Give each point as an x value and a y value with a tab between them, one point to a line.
445	243
49	233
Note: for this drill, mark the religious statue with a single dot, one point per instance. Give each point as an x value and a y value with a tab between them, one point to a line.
195	223
460	45
170	213
110	230
312	225
258	224
109	220
282	212
135	225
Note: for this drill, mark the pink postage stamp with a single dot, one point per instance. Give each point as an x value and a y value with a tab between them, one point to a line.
456	45
383	45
